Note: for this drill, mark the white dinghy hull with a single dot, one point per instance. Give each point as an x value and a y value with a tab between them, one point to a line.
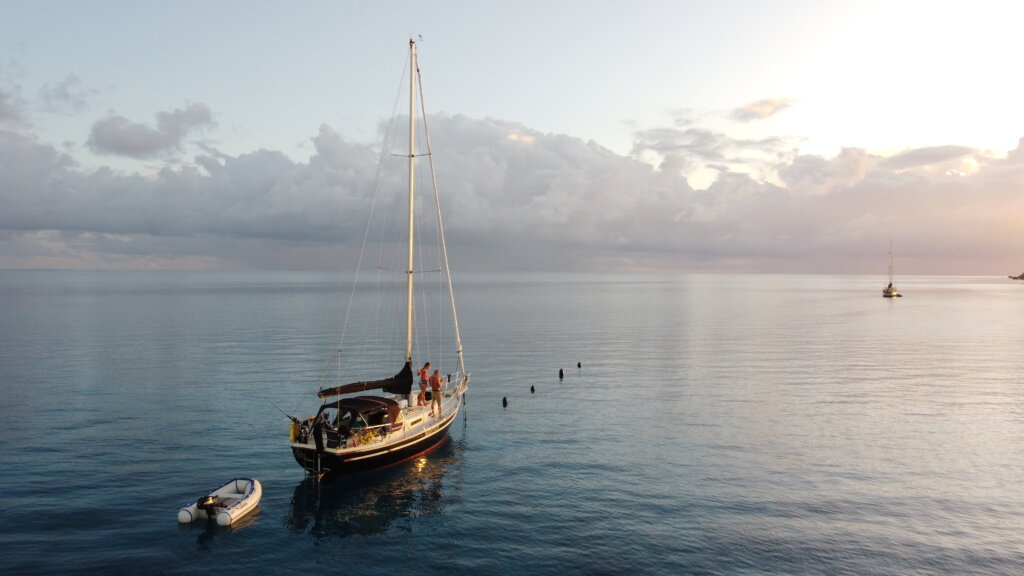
230	502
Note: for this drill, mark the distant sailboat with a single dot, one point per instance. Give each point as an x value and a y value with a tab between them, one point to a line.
890	291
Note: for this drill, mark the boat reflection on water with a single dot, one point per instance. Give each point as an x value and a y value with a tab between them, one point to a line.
376	502
208	530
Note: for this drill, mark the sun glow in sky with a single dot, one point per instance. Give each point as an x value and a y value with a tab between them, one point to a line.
795	136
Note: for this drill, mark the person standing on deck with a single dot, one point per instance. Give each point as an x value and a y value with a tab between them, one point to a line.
435	392
421	400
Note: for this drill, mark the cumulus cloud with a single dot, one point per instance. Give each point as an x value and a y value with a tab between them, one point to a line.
926	156
693	141
12	112
68	96
815	175
693	148
119	135
761	109
27	169
1016	156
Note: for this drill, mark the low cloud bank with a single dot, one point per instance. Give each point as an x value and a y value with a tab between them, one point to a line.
515	199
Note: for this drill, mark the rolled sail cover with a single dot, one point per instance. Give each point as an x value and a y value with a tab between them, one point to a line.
400	383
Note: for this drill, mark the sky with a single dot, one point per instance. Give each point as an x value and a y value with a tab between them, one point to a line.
643	136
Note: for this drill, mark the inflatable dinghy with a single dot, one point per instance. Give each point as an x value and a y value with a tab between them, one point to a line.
227	504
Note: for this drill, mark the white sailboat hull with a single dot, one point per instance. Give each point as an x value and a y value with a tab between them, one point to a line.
418	433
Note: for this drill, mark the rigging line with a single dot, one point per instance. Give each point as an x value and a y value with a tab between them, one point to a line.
440	227
385	144
432	324
424	314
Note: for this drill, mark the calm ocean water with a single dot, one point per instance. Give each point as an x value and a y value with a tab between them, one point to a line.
718	425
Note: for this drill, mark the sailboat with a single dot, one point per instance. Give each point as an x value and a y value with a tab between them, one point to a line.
890	291
377	422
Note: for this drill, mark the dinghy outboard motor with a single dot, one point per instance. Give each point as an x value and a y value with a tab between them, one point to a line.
209	505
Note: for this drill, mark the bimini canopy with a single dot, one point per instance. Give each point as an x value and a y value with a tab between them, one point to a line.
365	405
400	383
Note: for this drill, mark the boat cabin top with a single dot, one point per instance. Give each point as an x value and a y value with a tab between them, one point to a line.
346	413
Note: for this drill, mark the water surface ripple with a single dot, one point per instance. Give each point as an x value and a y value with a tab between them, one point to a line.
718	425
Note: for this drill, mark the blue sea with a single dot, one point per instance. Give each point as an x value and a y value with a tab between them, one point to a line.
717	424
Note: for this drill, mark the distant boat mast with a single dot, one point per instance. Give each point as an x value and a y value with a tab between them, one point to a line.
890	261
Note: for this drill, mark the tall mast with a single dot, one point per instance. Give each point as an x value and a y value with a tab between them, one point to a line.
413	65
890	261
